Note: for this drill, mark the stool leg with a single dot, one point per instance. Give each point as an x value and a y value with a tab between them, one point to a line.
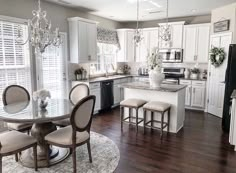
144	121
121	117
152	114
162	120
136	120
168	127
130	113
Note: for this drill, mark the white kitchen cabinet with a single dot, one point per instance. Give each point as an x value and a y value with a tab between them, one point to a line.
127	47
117	94
198	96
196	43
148	43
195	93
176	35
83	40
96	92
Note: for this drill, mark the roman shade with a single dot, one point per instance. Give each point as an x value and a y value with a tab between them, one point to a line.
107	36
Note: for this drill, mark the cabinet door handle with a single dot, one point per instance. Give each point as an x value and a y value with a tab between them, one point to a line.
193	90
89	57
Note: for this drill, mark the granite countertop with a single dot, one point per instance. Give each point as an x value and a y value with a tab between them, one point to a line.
193	79
100	79
146	86
233	95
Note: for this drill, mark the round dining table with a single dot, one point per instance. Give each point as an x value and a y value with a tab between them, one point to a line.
30	112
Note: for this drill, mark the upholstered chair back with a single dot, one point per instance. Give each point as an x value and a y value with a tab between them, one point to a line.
78	92
81	116
14	94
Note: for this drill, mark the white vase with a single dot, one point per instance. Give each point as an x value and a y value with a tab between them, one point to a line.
194	76
156	78
186	73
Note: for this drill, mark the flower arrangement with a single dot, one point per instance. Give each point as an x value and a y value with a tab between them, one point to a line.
155	61
42	95
125	69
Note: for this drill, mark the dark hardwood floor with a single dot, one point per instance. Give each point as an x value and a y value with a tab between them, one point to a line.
200	147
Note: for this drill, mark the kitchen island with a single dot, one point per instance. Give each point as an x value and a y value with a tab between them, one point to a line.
168	93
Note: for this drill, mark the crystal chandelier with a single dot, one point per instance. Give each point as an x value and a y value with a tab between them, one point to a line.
138	32
40	33
165	30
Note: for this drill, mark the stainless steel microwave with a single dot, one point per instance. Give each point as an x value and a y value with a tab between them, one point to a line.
171	55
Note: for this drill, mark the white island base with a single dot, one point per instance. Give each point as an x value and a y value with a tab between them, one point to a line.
174	97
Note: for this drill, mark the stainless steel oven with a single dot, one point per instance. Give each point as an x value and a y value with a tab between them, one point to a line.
172	75
171	55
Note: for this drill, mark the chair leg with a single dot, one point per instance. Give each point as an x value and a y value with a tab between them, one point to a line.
136	120
89	151
16	157
0	164
74	159
47	155
162	120
35	158
144	121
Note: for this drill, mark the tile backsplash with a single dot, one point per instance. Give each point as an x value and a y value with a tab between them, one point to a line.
136	65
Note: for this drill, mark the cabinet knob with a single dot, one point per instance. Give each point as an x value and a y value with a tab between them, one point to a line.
89	57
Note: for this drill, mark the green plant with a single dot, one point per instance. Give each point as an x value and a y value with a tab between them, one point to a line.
195	71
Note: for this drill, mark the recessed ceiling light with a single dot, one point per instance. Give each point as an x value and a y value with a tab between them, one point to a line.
194	10
111	16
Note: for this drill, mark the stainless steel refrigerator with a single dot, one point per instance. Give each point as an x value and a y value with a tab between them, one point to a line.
230	85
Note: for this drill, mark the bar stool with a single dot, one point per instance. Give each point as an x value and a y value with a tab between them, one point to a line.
159	107
131	104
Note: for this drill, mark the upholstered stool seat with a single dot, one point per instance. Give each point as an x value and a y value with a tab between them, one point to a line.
157	107
131	104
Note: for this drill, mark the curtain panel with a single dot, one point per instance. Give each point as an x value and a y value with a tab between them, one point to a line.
107	36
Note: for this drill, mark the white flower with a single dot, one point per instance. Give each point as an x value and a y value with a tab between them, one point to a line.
41	94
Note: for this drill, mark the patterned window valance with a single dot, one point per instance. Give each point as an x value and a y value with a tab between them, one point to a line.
107	36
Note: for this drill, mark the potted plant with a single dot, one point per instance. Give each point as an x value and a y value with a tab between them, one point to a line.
155	66
78	73
194	73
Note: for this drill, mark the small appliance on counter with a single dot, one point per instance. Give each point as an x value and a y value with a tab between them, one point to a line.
143	71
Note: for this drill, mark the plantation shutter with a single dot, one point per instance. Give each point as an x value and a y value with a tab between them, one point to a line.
53	69
14	58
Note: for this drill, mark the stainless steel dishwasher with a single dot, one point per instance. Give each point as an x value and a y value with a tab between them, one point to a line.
107	98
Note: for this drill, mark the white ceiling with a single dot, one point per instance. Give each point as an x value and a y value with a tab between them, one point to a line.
125	10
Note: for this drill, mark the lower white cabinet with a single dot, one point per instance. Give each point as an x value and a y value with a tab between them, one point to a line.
117	94
195	93
97	93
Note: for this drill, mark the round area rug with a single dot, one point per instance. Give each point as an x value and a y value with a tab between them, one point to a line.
105	155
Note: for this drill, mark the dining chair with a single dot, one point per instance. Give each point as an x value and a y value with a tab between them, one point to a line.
78	133
77	93
13	142
13	94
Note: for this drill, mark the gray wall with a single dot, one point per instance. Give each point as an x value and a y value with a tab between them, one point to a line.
56	13
153	23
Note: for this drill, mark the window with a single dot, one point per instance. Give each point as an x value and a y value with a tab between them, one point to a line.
106	58
14	58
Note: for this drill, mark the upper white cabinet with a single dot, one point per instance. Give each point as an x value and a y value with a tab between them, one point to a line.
127	47
177	29
83	40
196	43
149	41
